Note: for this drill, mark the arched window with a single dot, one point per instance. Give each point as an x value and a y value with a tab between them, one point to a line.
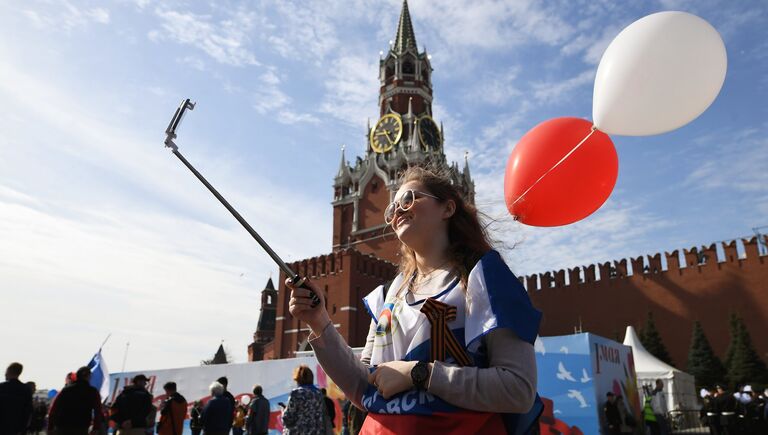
389	72
269	299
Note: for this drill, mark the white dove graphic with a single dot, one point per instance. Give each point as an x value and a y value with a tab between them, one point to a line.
538	346
564	350
584	376
576	394
564	374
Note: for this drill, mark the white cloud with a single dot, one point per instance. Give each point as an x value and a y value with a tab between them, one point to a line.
350	92
64	15
191	61
288	117
547	92
225	41
492	24
496	88
742	171
269	99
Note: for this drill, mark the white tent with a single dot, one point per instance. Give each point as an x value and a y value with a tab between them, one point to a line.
679	386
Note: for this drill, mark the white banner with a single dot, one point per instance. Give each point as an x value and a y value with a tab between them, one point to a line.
274	376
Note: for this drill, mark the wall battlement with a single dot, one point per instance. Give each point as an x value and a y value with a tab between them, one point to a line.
335	263
743	253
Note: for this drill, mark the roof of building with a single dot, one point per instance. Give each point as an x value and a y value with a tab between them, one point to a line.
405	37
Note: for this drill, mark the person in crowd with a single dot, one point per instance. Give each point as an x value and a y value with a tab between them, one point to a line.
659	405
751	413
238	421
345	417
15	402
611	414
330	412
149	427
627	419
356	419
649	417
77	407
451	282
708	413
195	418
304	413
257	422
173	411
39	412
69	378
726	408
217	414
133	408
224	382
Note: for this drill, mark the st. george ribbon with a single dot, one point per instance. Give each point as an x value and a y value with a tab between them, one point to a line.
298	281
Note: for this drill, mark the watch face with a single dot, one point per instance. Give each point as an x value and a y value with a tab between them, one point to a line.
420	373
386	133
429	134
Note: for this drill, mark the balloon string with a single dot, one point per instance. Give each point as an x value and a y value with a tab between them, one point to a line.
556	165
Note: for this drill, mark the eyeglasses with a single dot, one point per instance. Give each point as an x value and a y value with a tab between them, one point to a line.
404	203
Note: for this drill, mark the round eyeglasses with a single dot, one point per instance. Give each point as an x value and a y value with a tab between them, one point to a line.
404	203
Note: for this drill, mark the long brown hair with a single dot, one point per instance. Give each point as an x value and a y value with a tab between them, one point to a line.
468	239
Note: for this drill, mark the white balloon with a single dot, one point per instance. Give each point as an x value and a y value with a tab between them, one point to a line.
658	74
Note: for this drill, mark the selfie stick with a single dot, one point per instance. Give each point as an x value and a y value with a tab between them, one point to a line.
170	132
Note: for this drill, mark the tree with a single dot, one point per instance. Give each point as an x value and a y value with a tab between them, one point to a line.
745	364
651	340
733	328
703	364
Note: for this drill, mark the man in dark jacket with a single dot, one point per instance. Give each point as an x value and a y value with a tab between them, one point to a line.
132	407
15	402
217	414
258	416
76	407
612	415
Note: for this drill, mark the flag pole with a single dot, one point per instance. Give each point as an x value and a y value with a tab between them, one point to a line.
105	341
125	355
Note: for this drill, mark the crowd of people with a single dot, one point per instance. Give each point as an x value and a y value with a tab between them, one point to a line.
78	409
743	412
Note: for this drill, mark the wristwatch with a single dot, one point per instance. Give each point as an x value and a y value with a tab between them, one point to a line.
420	375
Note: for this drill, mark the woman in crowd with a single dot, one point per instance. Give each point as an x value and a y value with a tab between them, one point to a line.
304	413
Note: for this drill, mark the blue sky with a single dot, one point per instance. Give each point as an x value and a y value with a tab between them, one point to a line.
102	230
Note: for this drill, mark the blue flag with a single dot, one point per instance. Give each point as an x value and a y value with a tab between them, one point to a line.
99	375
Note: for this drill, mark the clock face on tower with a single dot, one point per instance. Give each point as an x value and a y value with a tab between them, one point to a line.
429	134
386	133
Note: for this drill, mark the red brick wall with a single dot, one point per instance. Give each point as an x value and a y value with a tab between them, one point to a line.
346	276
677	295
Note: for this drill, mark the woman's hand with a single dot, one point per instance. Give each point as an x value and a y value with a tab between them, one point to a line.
393	377
300	306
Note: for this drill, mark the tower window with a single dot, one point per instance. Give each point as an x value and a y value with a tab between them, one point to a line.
269	299
408	67
389	72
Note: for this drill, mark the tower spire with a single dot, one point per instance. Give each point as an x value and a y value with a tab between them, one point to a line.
405	37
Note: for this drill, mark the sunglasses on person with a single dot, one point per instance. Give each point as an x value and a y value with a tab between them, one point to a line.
404	203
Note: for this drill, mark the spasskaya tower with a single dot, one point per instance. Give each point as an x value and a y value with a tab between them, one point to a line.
364	253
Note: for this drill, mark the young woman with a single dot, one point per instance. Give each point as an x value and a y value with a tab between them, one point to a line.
450	343
304	414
